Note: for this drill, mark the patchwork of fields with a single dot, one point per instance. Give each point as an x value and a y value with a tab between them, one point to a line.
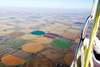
40	38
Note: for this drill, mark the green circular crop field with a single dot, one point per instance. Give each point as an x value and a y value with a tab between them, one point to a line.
37	32
60	44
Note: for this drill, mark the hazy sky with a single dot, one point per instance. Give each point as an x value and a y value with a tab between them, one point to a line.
74	4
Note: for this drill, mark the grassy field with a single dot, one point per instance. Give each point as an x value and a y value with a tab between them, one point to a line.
4	39
60	44
17	42
17	29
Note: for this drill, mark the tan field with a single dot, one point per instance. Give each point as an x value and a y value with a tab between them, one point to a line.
7	32
43	40
45	29
10	60
26	30
77	40
73	31
32	47
59	32
29	37
8	27
76	27
28	25
69	35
